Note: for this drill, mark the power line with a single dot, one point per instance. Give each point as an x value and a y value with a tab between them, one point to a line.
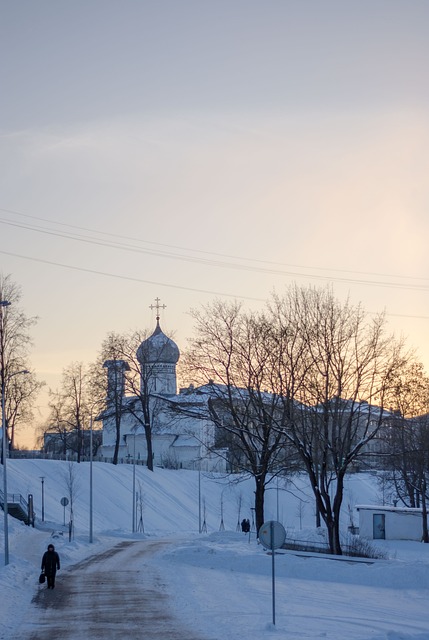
193	250
172	286
217	263
140	280
208	262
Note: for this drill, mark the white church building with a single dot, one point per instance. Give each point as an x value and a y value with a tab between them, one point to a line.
182	434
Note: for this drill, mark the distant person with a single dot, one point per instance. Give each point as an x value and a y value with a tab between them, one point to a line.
50	565
245	525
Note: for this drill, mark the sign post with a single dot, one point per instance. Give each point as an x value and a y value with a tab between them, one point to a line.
272	535
64	502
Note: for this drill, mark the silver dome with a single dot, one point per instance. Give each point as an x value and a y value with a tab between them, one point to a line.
158	348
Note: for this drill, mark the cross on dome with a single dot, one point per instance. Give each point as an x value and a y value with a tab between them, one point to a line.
157	306
158	355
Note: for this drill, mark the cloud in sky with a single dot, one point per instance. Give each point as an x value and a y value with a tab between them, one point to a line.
246	179
279	131
76	61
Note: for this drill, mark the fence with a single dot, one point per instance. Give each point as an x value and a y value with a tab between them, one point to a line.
69	457
13	498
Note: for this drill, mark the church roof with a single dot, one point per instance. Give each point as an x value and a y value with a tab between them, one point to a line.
158	348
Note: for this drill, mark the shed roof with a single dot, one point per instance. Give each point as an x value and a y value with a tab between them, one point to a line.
375	507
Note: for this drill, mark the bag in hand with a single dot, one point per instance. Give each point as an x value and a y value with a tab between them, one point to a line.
42	578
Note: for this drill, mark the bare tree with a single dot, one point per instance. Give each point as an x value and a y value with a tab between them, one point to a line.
15	342
70	407
334	371
54	435
140	507
140	379
408	440
231	352
19	402
138	385
108	392
71	484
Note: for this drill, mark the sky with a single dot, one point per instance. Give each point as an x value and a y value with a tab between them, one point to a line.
219	583
197	150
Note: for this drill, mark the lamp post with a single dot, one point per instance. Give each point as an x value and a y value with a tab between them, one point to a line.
199	496
253	510
277	497
4	379
200	524
91	539
4	303
5	505
5	453
42	478
134	483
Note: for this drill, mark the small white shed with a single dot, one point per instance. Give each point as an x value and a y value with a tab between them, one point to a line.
390	523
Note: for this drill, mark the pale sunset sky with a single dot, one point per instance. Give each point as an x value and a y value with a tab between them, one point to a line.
194	149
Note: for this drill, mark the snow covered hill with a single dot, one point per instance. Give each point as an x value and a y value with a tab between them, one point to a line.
170	498
219	582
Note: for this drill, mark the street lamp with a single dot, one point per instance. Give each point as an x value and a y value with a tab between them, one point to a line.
277	498
42	478
5	453
4	379
4	303
134	483
199	495
91	538
253	510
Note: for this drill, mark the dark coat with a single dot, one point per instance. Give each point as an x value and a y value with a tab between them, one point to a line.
50	563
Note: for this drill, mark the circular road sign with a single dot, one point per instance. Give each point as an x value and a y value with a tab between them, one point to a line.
64	501
272	534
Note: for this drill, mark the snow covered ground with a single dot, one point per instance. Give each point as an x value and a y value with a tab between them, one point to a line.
220	582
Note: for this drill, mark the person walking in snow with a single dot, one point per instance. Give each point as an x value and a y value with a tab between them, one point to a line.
50	565
245	525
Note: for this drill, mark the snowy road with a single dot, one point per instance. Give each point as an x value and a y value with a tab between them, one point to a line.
115	594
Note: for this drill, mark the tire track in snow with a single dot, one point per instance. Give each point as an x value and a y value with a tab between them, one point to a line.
116	594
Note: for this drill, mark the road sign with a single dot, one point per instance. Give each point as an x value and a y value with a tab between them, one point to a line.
272	535
64	501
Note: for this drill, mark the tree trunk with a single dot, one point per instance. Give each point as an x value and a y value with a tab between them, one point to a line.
116	451
318	518
331	513
79	442
336	548
259	502
425	536
333	536
148	434
336	510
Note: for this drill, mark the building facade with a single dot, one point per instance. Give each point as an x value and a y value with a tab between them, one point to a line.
182	434
390	523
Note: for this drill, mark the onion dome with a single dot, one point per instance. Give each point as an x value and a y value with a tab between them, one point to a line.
158	348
